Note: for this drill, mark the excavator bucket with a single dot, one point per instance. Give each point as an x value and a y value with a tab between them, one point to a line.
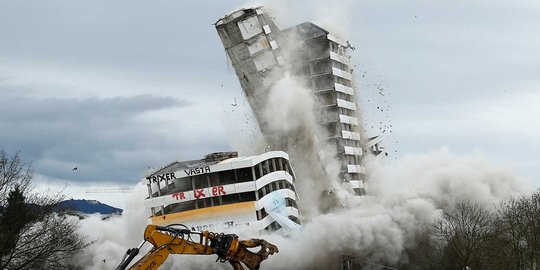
250	259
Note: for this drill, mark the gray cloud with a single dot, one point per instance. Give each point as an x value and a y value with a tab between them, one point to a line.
105	137
16	107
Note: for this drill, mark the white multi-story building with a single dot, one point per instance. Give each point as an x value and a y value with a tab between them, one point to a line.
223	192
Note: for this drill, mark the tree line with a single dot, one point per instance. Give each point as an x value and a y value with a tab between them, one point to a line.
469	236
32	235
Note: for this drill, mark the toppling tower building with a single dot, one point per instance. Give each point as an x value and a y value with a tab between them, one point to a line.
261	53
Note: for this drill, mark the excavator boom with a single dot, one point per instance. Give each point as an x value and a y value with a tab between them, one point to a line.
170	240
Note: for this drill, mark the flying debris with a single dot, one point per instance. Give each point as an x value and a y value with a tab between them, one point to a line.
74	169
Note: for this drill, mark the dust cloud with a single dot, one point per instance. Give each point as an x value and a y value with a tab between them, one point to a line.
404	198
382	227
112	237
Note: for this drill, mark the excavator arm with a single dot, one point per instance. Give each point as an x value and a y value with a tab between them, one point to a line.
170	240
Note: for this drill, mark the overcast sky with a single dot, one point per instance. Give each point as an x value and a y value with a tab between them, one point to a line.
115	87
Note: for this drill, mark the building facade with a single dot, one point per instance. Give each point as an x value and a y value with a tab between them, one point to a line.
260	52
224	192
323	61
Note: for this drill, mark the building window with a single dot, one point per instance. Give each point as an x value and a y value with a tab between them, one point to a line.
276	185
274	226
321	67
238	197
258	171
265	168
181	185
291	203
295	219
280	164
214	179
183	206
272	165
343	81
327	99
228	199
246	197
200	181
227	177
244	175
288	168
324	82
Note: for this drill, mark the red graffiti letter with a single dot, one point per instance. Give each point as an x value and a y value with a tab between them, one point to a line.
199	193
221	190
218	191
180	196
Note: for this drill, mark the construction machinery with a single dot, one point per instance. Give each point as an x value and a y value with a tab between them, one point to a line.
178	239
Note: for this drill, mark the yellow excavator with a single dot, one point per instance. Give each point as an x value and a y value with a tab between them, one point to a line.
178	239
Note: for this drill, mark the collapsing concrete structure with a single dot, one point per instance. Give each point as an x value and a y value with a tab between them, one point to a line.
261	53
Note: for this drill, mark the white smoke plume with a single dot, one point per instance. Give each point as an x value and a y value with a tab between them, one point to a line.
404	199
112	237
380	227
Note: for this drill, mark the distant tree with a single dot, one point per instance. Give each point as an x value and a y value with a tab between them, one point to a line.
519	220
461	236
419	256
32	236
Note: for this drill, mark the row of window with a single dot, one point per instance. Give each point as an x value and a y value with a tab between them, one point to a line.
209	202
229	198
321	45
333	130
315	47
272	165
346	142
276	185
334	47
226	177
327	81
322	66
